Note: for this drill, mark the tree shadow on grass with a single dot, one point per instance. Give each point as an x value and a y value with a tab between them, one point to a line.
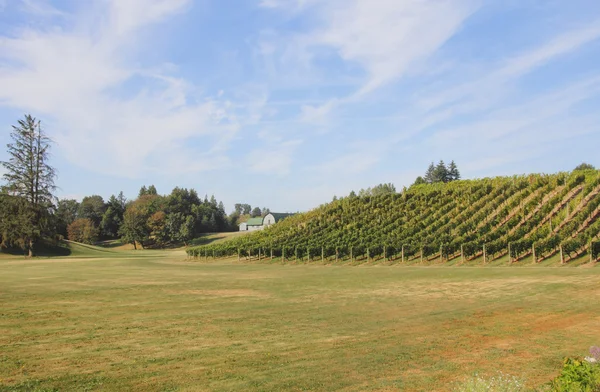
44	249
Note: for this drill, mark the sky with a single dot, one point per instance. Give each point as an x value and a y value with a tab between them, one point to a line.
286	103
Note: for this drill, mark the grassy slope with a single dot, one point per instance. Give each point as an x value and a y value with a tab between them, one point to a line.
149	321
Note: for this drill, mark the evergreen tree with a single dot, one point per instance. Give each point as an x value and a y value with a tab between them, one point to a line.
440	173
113	216
152	190
430	174
143	191
29	176
453	172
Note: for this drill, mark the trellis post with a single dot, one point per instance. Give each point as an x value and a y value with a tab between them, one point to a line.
308	254
283	254
336	254
322	255
239	256
441	253
368	256
213	253
462	254
351	256
258	254
484	255
509	254
403	253
421	255
533	252
385	253
562	256
591	251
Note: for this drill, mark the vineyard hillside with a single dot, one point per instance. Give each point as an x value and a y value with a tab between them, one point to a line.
536	216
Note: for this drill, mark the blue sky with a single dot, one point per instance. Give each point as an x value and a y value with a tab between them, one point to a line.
285	103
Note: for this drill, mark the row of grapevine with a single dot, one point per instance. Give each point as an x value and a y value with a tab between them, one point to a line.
516	215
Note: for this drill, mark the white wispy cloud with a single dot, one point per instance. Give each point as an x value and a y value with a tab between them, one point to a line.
386	39
40	7
74	79
482	91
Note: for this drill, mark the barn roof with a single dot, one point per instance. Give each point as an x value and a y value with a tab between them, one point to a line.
280	215
258	221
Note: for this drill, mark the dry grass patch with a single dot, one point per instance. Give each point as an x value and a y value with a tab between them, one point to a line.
152	324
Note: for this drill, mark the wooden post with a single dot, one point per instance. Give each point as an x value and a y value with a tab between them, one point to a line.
205	254
336	254
213	253
296	254
441	253
462	254
385	253
351	258
258	254
421	255
239	258
509	256
308	254
562	256
283	254
271	252
591	251
322	255
533	251
403	253
484	255
368	255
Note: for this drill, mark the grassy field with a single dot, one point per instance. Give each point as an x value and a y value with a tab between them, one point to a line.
111	320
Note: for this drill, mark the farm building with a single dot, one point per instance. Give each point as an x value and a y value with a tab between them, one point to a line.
259	223
253	224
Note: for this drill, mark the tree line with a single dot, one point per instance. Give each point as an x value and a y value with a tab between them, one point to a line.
30	213
439	173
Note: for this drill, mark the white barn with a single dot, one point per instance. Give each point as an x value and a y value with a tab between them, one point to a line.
259	223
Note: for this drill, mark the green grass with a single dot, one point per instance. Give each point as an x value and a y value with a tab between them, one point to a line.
151	321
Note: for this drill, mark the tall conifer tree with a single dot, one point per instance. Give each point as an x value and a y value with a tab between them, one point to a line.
29	183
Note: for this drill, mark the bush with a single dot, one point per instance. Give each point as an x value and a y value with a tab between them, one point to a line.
83	230
577	375
499	383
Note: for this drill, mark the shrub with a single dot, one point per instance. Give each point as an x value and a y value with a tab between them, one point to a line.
83	230
499	383
577	375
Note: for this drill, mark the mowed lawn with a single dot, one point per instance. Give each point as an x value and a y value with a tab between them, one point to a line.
161	323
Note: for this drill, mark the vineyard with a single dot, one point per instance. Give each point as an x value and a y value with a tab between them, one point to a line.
532	217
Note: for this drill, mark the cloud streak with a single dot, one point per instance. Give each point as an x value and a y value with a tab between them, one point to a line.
75	78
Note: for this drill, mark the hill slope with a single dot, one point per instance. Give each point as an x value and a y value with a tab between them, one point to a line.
470	218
